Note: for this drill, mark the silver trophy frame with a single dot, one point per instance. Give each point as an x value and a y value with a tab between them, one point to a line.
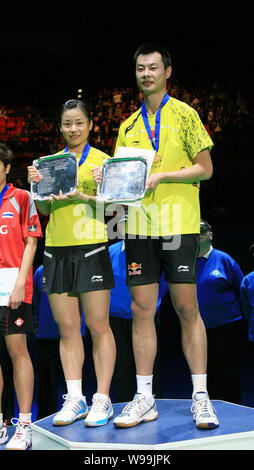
123	179
59	172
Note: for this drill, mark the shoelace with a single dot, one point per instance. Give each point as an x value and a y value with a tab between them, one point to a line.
137	402
20	427
205	406
99	404
71	403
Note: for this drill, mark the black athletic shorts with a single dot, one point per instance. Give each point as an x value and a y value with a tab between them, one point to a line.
75	269
16	321
176	256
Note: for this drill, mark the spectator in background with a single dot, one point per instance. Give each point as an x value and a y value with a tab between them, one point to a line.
218	288
247	302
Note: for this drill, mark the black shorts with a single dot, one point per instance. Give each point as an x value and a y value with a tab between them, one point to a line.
176	256
16	321
75	269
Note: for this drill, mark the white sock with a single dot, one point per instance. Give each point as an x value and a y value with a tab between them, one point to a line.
25	417
74	388
199	383
1	420
145	386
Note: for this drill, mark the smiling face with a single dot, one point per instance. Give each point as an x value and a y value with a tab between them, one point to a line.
151	74
75	127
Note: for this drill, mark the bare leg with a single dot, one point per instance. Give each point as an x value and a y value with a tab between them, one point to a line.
144	303
194	341
22	370
96	307
67	315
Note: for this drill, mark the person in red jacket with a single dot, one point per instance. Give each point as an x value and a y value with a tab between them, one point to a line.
19	230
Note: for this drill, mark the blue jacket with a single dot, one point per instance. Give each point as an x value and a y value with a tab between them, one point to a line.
218	289
247	302
47	327
120	301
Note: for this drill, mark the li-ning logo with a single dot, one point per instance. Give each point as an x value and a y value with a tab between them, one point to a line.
19	322
183	268
97	279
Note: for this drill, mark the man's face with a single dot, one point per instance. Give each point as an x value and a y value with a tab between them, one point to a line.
151	74
205	238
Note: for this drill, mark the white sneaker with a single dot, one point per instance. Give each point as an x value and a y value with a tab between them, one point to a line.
3	434
203	411
136	411
72	409
22	438
101	411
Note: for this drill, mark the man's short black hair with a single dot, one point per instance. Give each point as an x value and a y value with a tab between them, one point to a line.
6	154
149	48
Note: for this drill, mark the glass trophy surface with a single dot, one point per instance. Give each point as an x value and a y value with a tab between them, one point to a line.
59	172
123	179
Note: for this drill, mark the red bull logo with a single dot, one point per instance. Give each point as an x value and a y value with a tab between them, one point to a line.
134	268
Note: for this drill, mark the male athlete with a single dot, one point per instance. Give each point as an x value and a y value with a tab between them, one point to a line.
170	208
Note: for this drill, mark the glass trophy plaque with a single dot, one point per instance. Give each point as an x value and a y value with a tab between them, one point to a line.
59	172
123	179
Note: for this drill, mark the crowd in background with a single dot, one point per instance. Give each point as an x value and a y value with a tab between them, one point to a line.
32	132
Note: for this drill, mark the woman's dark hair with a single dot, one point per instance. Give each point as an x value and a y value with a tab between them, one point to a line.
149	48
6	154
72	104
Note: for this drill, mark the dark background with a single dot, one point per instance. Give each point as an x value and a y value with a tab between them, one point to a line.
50	49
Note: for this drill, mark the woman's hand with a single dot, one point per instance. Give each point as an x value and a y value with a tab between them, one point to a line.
97	175
76	196
33	174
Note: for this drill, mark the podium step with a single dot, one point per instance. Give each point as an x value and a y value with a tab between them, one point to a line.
174	429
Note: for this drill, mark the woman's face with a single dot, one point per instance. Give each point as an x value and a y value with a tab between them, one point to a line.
3	174
75	128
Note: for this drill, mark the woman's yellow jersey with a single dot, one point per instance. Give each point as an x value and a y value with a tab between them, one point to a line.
79	223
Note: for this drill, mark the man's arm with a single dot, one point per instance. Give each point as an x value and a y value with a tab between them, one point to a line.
201	170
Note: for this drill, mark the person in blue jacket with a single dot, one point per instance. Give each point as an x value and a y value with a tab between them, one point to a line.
218	288
124	377
247	302
49	368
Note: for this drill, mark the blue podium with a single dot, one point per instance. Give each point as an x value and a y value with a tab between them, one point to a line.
174	429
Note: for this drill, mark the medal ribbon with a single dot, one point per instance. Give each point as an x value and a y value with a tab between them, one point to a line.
155	143
3	193
84	153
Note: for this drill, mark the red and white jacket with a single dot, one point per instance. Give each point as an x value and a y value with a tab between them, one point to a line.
18	220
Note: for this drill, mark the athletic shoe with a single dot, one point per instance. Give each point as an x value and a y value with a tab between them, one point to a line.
101	411
3	434
203	411
22	438
135	412
73	409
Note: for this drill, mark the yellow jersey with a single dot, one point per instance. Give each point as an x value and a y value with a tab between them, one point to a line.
173	208
79	223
